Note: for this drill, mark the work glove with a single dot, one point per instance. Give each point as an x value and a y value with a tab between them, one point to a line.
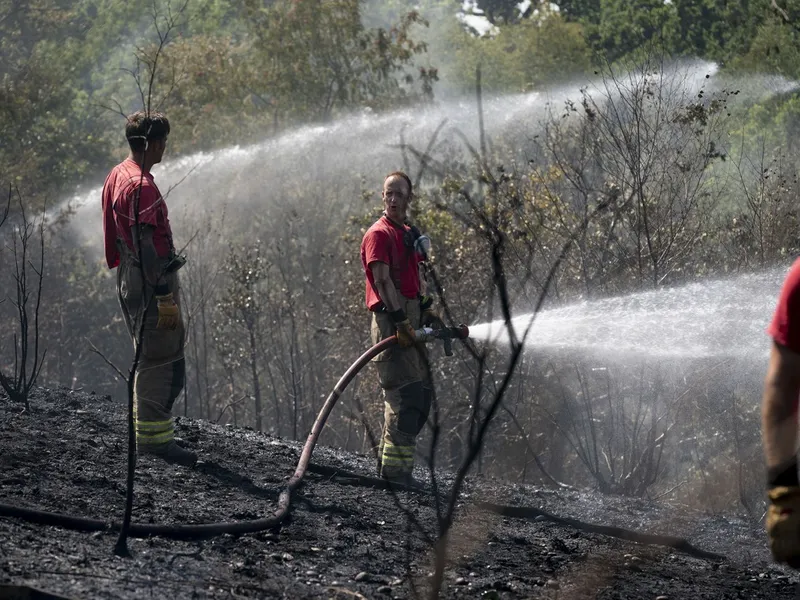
405	334
783	524
169	313
430	316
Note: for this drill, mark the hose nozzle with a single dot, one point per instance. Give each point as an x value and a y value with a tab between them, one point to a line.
461	332
446	334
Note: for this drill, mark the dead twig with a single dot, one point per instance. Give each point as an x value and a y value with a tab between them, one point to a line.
780	11
196	554
346	592
146	93
670	490
7	209
176	184
97	351
230	404
28	361
117	111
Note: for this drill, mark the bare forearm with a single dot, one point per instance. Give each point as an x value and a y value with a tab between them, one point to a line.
151	265
388	294
146	251
779	421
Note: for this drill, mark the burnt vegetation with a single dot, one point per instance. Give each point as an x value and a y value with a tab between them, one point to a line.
646	175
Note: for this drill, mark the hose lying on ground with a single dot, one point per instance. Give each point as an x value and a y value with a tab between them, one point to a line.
206	530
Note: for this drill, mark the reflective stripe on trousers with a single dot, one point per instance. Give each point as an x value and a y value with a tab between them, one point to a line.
161	372
403	375
154	433
399	458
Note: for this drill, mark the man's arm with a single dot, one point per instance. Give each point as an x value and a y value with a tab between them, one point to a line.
779	407
385	286
391	300
151	265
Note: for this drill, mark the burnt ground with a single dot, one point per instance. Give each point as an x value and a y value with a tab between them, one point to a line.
343	540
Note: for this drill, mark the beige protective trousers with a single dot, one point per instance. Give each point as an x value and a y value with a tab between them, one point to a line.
162	368
403	374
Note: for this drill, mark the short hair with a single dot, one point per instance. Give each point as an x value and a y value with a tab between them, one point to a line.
144	127
404	176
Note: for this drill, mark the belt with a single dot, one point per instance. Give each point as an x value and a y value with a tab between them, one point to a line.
381	308
171	263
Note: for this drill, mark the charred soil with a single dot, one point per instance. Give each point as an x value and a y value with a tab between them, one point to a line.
345	538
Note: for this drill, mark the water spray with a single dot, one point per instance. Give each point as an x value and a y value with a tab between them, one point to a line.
714	318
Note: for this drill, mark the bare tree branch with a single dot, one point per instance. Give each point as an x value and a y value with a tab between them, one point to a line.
116	369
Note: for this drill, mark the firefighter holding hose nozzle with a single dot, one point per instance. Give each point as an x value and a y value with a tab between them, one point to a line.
779	424
391	253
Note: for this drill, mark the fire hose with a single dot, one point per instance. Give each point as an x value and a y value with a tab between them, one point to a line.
206	530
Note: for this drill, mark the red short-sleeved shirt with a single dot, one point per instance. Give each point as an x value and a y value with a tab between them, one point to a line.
785	326
119	192
383	242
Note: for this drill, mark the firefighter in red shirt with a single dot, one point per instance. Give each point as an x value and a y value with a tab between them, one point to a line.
138	242
395	291
779	424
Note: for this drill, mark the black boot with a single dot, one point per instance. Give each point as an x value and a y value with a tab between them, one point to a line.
171	452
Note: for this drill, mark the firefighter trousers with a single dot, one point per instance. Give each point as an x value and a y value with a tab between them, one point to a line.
161	371
404	376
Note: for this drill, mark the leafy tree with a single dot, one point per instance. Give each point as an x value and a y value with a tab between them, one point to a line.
775	48
711	28
523	56
625	26
500	11
211	81
45	122
585	11
316	59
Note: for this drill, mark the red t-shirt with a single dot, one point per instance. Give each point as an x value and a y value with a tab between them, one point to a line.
383	242
119	192
785	326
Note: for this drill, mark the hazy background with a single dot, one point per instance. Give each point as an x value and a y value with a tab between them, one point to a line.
642	375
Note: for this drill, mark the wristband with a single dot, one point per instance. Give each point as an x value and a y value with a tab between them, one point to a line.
398	316
784	475
425	302
162	289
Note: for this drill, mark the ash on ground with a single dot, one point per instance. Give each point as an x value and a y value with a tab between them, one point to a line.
344	539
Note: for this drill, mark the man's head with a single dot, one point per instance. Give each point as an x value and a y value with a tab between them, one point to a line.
147	133
397	194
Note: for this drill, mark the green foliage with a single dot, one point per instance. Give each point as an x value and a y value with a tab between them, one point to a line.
229	73
500	11
585	11
46	124
235	72
713	29
625	26
317	59
523	56
211	101
775	48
